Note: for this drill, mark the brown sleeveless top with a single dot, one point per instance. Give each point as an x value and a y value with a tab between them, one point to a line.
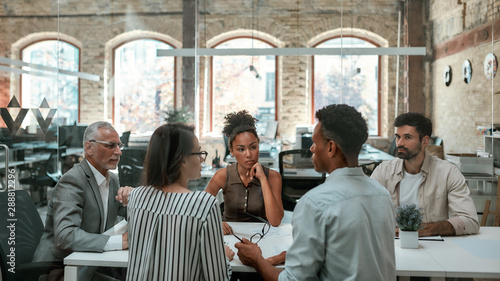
238	198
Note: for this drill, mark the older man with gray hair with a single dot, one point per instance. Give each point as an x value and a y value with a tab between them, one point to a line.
86	202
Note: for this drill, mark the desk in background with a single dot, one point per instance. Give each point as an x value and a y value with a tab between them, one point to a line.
34	153
368	155
469	256
268	154
371	154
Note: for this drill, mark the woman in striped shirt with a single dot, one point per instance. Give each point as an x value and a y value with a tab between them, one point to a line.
175	234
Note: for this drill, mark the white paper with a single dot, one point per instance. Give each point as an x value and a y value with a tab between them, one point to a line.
433	238
430	238
118	229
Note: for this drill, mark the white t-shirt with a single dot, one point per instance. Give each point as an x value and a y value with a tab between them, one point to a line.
408	188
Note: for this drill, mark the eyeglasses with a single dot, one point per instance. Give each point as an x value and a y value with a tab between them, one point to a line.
259	235
202	154
110	144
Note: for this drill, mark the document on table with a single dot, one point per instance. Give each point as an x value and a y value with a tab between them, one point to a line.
276	240
118	229
430	238
273	231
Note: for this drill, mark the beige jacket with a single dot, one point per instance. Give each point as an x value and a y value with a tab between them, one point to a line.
442	195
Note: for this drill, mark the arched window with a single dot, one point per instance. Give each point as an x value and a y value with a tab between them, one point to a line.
243	82
60	91
352	80
144	85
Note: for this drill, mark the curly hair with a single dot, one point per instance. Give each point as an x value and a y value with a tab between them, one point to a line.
345	126
168	146
238	122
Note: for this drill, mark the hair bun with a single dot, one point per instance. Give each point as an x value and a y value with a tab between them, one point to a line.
240	119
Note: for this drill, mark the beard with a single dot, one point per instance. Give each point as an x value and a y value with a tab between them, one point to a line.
407	154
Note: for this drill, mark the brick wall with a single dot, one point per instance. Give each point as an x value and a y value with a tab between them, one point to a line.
293	23
457	110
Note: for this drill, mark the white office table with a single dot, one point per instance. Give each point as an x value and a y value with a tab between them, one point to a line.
464	256
417	262
472	256
276	240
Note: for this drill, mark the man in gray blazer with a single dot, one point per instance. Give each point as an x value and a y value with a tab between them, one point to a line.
86	201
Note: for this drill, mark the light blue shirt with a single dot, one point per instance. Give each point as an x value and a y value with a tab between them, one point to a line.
343	229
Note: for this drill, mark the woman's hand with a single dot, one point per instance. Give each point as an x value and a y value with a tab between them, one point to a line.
257	171
226	229
229	252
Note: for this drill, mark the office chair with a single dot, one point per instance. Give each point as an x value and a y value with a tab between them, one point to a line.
45	174
28	231
130	166
125	137
297	176
226	145
393	148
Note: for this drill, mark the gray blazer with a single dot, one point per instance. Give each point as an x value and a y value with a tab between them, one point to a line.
75	215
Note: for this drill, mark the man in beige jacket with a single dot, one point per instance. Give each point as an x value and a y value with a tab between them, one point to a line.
436	186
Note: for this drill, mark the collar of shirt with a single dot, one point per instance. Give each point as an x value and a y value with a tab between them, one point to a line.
346	171
99	178
235	179
103	183
426	165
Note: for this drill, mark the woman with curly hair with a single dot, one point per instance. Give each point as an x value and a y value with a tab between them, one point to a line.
247	186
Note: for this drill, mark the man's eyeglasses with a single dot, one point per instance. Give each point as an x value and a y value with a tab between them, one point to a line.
110	144
202	154
259	235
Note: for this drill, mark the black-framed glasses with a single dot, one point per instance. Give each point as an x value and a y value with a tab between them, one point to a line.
110	144
202	154
259	235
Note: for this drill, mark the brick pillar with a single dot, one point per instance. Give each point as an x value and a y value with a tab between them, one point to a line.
415	14
190	14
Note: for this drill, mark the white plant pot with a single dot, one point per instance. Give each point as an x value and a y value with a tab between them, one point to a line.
408	239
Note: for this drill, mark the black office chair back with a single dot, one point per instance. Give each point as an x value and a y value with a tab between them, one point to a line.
125	137
226	146
130	166
393	148
20	229
55	164
293	187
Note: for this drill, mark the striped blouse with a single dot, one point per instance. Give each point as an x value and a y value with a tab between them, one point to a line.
175	236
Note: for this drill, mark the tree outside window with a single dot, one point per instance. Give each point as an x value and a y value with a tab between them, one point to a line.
60	91
144	85
351	80
243	82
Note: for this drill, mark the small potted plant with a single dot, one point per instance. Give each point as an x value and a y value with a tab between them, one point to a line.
182	115
408	219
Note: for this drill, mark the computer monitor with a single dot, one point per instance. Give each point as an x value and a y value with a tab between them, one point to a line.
303	134
303	140
271	130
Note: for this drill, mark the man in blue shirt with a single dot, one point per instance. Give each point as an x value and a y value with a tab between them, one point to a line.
343	229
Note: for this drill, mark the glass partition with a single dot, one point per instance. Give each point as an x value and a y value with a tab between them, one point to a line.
66	64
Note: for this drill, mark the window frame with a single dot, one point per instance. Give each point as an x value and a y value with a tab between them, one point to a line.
276	75
379	77
129	40
52	38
